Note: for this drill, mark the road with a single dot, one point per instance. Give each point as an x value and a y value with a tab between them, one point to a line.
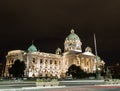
64	88
31	86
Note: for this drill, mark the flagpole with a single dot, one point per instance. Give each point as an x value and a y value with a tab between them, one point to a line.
96	55
95	45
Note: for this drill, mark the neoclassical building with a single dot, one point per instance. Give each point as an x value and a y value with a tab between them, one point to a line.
41	64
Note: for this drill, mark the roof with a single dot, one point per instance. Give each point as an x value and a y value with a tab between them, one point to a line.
73	36
88	53
15	51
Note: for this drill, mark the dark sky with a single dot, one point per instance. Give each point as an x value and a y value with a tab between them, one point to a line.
48	23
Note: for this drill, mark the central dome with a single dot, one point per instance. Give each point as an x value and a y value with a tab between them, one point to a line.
72	42
73	36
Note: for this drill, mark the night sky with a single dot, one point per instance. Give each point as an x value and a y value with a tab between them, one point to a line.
48	23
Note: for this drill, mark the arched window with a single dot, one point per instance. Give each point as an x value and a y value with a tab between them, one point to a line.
33	60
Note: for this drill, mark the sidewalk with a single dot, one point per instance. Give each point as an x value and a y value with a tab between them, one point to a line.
81	82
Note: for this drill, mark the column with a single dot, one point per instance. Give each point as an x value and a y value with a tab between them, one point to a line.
91	65
27	66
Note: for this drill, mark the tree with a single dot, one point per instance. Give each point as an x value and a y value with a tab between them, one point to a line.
116	71
17	69
76	72
10	70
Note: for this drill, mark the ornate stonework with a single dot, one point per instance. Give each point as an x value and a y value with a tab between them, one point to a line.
72	42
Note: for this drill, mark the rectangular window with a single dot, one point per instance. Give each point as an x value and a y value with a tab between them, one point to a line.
50	61
55	62
45	61
40	61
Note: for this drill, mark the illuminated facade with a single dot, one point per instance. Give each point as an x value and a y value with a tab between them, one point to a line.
40	64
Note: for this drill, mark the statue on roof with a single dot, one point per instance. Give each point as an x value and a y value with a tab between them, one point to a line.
58	51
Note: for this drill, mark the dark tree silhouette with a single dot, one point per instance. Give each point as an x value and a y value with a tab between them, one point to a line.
17	69
10	70
115	71
76	72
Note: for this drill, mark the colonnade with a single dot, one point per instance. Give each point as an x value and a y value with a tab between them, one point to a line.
87	63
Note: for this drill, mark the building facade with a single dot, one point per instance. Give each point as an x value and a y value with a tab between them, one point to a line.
41	64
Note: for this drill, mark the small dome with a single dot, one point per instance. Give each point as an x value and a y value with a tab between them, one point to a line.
73	36
88	49
98	58
32	48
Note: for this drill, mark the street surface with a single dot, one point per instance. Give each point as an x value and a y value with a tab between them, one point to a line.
31	86
64	88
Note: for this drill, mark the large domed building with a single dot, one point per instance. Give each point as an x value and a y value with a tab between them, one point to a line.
41	64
